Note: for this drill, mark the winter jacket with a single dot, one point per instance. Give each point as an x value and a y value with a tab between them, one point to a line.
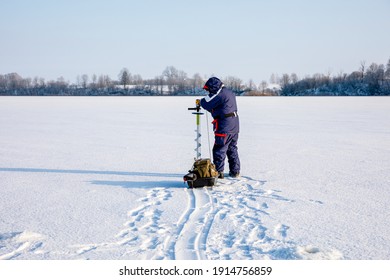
221	102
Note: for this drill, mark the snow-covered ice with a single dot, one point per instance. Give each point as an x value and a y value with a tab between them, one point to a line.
101	178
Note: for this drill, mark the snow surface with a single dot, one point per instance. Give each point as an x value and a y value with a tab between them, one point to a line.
101	178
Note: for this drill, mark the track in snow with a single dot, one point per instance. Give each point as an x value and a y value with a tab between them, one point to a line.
241	203
17	244
195	225
233	220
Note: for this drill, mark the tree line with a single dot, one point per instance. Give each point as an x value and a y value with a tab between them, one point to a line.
171	82
366	81
371	80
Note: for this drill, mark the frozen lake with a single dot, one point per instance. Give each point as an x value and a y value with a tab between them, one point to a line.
101	178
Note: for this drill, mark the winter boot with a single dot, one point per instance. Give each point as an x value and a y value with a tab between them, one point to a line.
234	175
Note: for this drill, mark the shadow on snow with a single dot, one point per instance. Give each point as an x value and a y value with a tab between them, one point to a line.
141	184
125	184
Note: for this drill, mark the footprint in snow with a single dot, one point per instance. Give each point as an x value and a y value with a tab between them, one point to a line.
316	201
20	245
281	230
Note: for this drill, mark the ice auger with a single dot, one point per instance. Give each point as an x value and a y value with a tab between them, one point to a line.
203	172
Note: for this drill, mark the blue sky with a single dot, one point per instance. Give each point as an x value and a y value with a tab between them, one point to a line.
249	39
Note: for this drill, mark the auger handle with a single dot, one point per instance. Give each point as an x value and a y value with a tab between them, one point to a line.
197	108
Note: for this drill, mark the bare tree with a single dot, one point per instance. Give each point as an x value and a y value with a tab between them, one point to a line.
124	77
285	80
362	68
387	72
234	83
182	80
137	79
94	83
104	81
273	79
294	78
171	75
263	86
84	81
62	83
387	77
251	85
197	82
3	83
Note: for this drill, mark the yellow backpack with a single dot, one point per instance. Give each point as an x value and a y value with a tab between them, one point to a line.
204	168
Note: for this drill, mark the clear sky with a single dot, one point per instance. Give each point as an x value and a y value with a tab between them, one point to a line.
249	39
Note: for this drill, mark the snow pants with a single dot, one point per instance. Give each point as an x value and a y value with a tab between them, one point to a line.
226	145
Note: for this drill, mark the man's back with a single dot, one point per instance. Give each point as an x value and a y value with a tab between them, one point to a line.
223	108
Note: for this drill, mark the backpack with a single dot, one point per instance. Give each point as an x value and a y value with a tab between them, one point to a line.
203	173
204	168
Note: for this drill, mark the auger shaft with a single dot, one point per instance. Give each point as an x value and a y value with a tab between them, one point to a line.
198	153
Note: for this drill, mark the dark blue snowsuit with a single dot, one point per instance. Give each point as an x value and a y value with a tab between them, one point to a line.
221	102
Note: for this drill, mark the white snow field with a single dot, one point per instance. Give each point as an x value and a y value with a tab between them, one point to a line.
101	178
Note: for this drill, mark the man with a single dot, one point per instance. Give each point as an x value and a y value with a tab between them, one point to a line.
221	103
